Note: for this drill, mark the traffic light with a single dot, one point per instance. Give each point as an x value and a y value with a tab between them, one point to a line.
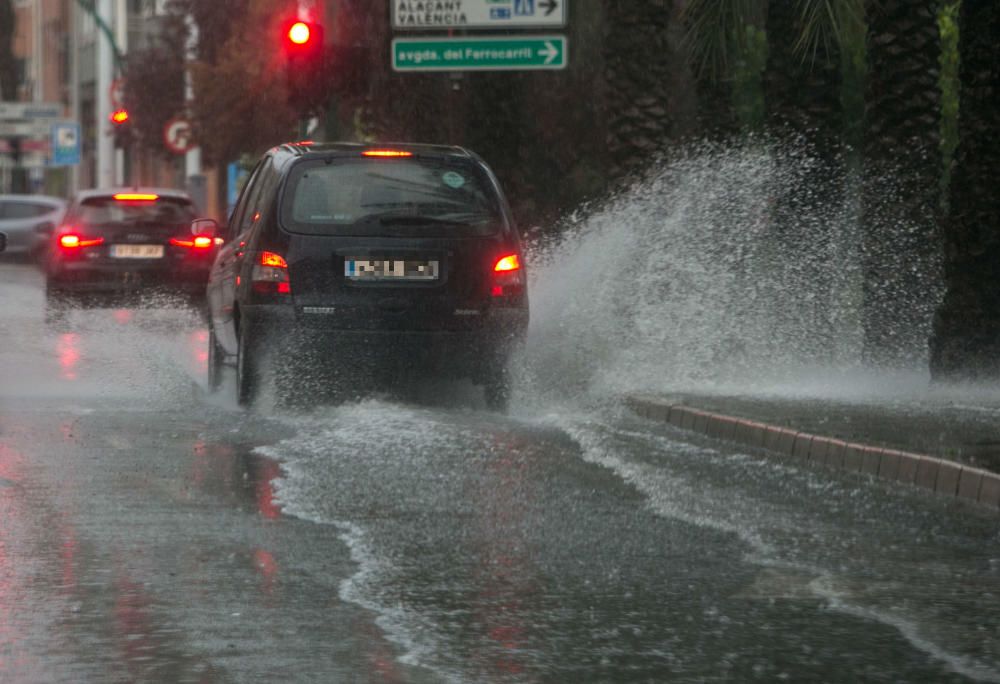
305	64
122	127
303	42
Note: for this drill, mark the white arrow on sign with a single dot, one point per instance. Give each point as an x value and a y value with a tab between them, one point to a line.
550	52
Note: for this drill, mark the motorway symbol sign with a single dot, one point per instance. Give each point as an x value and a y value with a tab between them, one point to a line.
65	143
178	136
508	53
478	14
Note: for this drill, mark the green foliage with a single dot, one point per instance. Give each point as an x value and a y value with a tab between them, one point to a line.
828	25
716	34
154	88
950	86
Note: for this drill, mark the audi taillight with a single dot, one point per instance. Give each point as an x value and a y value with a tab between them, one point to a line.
75	241
508	277
270	274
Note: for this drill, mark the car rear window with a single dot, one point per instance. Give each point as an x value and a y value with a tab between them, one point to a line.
396	196
97	211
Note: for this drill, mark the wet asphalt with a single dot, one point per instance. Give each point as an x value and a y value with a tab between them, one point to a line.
152	532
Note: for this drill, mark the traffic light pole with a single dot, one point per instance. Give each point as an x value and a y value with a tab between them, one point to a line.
109	62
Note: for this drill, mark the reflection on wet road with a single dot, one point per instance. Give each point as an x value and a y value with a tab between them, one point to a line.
153	533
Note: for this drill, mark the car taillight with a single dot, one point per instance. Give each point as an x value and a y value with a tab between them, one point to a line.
199	242
74	241
508	277
270	274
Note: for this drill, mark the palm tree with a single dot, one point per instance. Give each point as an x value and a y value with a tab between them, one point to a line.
965	342
645	78
901	188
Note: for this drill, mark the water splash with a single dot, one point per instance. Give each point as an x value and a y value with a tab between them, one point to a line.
699	276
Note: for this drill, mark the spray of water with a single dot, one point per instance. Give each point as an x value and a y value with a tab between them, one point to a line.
718	269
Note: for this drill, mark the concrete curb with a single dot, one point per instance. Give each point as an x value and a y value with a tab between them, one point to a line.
944	477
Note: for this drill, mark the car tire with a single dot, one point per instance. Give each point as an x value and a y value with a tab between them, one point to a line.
247	371
216	358
496	388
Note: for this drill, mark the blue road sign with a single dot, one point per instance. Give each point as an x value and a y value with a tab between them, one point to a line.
524	7
65	144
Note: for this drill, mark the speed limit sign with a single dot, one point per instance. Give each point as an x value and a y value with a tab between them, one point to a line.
178	136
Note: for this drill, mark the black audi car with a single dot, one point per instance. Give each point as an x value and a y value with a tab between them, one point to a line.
127	241
348	266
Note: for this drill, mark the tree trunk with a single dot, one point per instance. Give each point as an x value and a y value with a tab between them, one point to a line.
902	176
965	343
643	63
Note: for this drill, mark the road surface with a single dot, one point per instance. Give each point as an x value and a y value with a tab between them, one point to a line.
152	532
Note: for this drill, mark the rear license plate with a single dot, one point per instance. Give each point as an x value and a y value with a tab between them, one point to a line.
137	251
391	269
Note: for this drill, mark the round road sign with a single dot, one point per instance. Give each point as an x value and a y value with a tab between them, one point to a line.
178	136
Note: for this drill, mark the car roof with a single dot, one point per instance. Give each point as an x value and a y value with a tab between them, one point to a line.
324	149
171	193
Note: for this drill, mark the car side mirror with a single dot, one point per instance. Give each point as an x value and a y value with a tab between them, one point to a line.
45	228
205	227
3	241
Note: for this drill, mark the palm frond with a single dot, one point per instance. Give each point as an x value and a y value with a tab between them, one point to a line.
827	25
715	32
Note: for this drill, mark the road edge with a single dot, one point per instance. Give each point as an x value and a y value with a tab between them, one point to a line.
944	477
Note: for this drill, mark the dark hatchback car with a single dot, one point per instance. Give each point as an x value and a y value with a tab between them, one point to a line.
360	265
128	241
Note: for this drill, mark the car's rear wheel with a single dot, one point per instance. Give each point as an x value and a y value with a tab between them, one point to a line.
247	371
216	357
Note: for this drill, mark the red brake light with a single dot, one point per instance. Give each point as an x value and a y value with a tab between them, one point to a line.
510	262
73	241
387	153
508	279
136	197
270	274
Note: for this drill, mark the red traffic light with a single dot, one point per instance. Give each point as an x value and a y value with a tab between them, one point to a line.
302	38
299	33
119	117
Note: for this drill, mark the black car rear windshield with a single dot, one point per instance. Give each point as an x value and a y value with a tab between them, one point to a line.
395	196
99	211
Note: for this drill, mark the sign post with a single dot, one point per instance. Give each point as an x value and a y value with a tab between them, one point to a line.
507	53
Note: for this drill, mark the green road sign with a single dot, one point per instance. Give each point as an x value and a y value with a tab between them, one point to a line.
479	54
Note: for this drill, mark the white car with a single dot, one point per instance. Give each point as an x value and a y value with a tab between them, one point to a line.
29	221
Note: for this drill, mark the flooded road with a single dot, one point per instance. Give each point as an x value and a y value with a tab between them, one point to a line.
150	531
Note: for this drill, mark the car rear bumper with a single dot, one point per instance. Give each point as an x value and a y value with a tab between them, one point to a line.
83	277
316	339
